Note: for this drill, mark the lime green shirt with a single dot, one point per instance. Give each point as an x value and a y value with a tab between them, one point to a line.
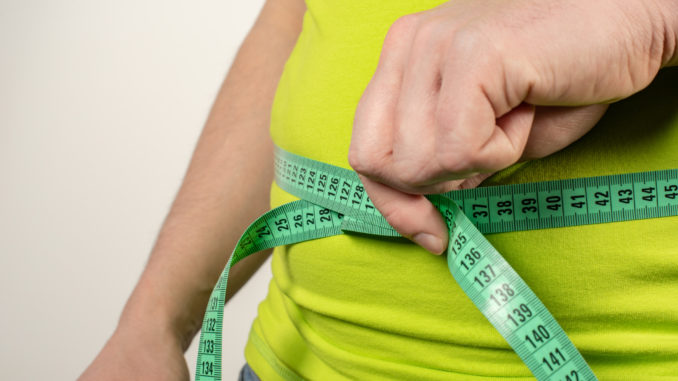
356	308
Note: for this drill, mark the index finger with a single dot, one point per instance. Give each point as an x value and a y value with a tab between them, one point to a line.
371	147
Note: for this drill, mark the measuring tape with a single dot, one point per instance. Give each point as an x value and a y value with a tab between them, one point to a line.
333	201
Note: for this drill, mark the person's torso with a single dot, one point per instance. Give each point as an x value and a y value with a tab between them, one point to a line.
352	307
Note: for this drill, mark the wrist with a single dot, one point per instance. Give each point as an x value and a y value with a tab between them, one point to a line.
669	14
139	332
153	314
140	321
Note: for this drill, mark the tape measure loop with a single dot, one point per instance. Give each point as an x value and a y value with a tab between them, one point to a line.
334	201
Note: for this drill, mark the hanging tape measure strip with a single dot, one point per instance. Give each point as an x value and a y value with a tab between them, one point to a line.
334	201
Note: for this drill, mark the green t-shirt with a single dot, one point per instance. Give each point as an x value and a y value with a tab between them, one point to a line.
350	307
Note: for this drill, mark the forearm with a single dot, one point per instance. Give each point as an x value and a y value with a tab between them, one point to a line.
225	188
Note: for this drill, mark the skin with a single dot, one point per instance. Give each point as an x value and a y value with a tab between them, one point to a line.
477	83
473	86
166	307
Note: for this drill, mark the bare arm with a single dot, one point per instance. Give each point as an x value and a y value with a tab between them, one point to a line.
671	41
225	188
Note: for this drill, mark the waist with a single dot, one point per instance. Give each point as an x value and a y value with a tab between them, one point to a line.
393	302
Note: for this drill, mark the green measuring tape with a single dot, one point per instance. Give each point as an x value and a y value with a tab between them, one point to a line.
333	201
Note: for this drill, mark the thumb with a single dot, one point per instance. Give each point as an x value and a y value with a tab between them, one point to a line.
411	215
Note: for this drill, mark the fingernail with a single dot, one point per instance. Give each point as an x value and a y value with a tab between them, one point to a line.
429	242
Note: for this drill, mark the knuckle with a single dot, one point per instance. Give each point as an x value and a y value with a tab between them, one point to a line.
473	48
401	28
467	39
427	32
356	159
405	23
364	161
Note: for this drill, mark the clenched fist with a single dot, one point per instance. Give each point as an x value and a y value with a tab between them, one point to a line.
473	86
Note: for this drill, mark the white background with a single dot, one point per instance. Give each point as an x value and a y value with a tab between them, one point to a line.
101	104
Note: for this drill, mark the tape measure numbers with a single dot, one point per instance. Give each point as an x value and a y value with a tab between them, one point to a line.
277	227
334	201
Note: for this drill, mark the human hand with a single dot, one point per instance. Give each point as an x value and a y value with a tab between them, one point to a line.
139	354
459	90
